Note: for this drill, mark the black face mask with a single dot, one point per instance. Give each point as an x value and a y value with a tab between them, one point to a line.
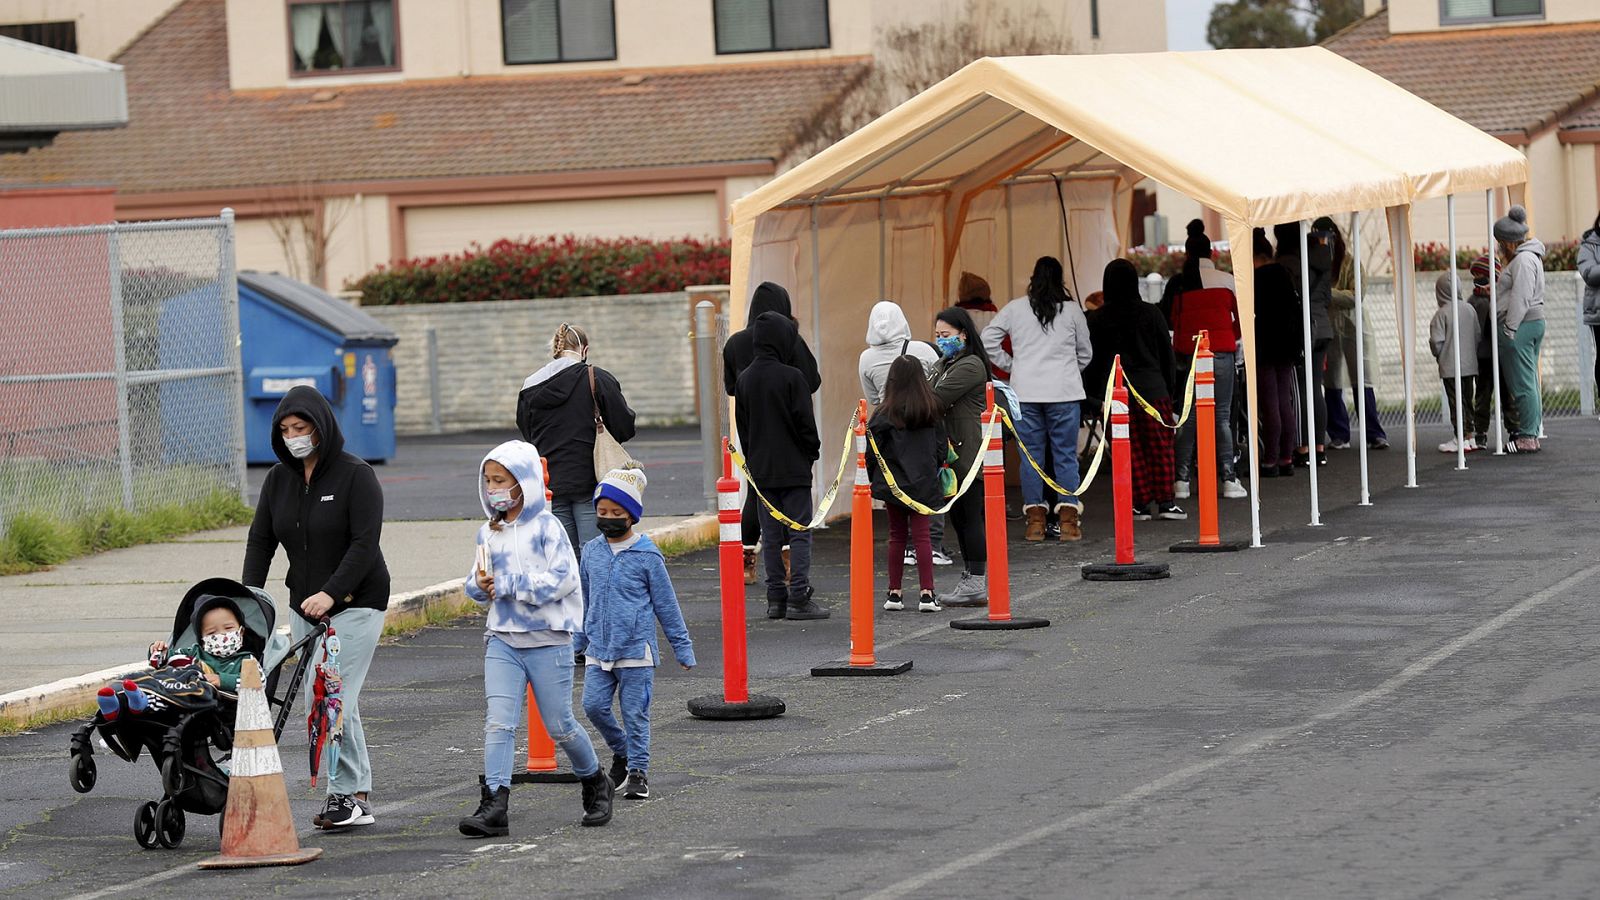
613	527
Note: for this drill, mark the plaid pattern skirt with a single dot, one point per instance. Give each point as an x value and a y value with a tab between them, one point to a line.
1151	456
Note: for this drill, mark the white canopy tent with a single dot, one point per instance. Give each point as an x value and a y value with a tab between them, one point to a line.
1013	158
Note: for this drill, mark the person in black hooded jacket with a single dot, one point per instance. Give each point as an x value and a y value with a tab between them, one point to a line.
325	508
778	434
555	413
737	354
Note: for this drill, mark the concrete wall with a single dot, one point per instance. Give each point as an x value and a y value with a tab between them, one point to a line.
1423	15
451	229
104	26
487	349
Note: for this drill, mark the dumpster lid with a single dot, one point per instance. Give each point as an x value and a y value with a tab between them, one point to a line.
319	306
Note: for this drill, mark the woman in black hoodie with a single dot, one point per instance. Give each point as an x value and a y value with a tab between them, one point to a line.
325	508
555	413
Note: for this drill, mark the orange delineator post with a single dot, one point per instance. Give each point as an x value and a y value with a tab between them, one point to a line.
994	522
735	701
1205	424
863	659
1125	568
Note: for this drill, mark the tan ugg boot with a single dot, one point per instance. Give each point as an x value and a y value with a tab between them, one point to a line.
749	565
1035	528
1070	530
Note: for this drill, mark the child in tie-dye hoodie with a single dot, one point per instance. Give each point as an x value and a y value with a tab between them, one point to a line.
526	576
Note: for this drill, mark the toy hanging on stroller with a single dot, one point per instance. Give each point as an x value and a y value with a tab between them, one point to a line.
183	719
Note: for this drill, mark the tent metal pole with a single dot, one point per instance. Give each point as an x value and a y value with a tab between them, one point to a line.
1311	403
1494	333
817	474
1011	259
1408	333
883	262
1359	388
1455	326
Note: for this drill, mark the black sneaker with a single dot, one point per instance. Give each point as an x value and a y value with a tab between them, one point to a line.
928	603
637	787
1170	510
366	817
1052	531
1141	514
893	602
619	768
341	811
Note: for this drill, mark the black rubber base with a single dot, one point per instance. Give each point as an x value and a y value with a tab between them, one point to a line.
712	706
1131	572
1197	547
541	778
842	668
1012	624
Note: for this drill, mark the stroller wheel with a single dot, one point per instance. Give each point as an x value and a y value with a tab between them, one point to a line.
170	823
144	824
81	773
172	775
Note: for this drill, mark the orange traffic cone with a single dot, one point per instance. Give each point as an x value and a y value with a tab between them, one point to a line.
256	826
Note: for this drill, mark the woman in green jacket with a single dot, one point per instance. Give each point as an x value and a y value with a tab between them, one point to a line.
959	380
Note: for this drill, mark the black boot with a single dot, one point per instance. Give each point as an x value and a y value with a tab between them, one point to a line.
597	794
777	609
619	769
801	606
492	818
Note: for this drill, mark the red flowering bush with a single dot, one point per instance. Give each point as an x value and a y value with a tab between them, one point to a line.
566	266
1559	256
1168	261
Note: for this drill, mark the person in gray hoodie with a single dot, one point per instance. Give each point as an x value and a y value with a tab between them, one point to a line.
1521	325
1589	271
1446	342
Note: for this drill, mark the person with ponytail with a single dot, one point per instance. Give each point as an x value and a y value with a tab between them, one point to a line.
1204	301
1049	347
555	413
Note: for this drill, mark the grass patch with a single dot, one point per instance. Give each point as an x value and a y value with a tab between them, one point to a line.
37	721
437	614
673	547
36	540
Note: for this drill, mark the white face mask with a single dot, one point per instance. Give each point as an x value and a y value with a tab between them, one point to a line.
300	447
223	643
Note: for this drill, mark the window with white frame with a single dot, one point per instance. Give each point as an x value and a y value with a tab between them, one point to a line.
547	31
753	26
327	38
1452	12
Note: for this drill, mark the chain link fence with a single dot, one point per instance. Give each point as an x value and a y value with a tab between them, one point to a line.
120	385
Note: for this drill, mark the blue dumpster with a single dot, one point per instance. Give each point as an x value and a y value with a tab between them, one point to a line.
292	334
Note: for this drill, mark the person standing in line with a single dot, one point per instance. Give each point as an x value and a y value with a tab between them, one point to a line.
1521	326
324	507
778	434
1444	341
1278	342
1589	271
959	382
1128	327
737	354
908	432
972	295
525	576
1342	369
888	338
627	591
556	411
1323	258
1205	301
1481	401
1049	347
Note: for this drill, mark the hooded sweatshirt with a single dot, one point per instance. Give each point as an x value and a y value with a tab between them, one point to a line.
1521	287
328	528
1045	364
1319	259
628	591
1128	326
772	407
1589	271
888	338
740	351
1441	330
535	573
914	456
555	413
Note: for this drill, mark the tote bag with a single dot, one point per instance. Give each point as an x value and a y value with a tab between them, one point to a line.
608	454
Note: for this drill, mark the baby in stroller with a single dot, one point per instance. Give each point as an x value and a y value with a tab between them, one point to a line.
183	710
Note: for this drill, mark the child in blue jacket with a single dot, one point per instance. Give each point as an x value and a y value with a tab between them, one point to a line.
624	577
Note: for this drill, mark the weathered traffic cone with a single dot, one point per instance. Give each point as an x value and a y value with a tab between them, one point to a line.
256	826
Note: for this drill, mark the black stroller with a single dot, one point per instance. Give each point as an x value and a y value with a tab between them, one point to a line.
183	721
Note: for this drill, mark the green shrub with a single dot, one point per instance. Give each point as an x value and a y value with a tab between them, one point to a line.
34	541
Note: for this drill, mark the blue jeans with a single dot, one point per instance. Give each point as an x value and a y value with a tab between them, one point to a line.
1056	423
576	515
507	671
358	630
632	688
1187	441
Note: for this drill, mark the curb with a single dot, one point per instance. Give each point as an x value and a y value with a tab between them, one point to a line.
406	610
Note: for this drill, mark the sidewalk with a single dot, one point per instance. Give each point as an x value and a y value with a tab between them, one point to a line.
104	610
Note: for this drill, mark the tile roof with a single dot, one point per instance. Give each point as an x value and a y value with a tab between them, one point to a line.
1508	80
188	131
1585	118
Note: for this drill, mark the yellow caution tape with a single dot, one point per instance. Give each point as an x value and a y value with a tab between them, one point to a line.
1099	447
966	482
1188	397
827	499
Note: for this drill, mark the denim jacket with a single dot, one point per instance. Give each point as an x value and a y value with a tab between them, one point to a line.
626	593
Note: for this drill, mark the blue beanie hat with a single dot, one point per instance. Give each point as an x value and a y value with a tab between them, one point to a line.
624	487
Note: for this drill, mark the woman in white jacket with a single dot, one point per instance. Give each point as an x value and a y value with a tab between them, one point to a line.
1049	349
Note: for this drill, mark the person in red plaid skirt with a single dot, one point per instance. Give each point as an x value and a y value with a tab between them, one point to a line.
1128	326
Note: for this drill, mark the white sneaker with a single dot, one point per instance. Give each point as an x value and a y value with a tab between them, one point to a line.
1233	490
894	602
911	557
1450	446
1180	490
940	558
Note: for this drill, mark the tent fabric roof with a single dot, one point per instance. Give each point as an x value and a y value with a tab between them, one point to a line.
42	89
1282	135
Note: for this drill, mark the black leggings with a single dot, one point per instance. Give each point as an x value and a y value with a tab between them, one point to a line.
966	519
